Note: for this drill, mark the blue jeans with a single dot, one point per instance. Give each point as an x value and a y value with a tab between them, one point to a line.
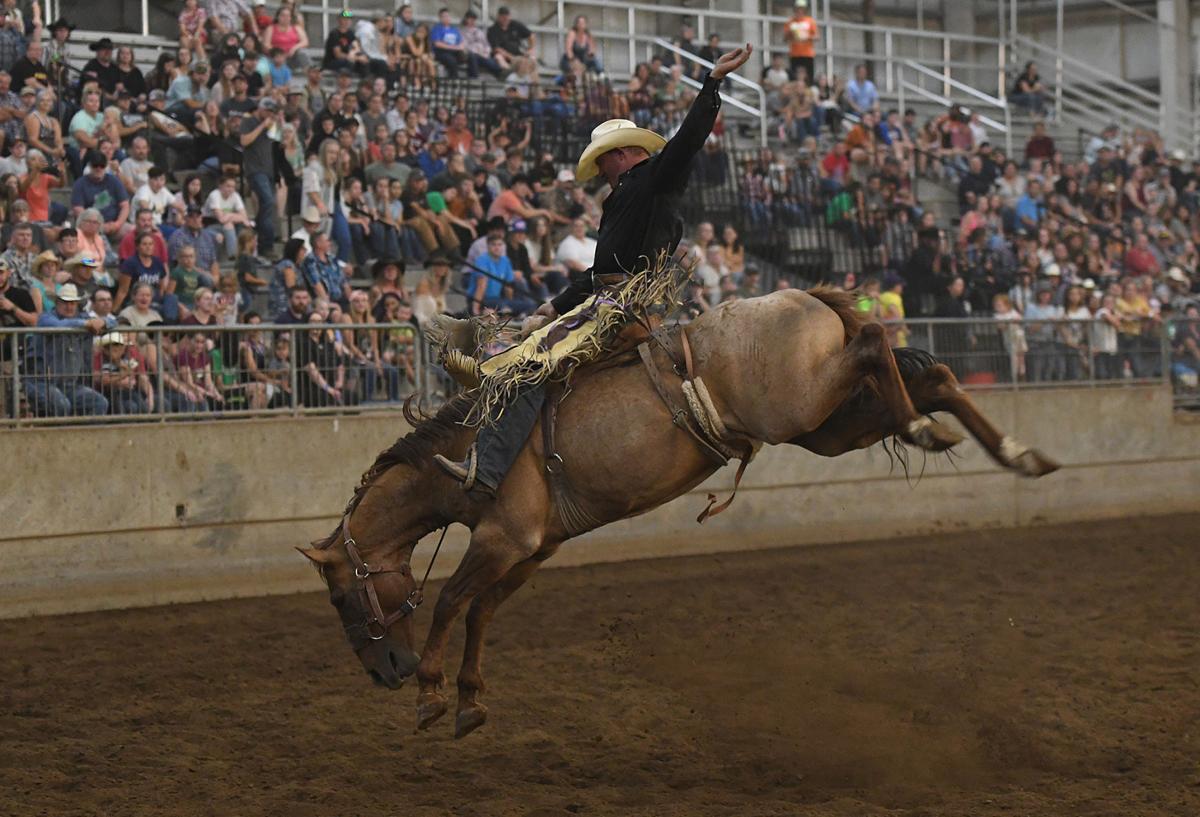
391	377
264	221
517	305
64	399
340	232
477	61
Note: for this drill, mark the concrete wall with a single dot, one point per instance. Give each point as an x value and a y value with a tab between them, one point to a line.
137	515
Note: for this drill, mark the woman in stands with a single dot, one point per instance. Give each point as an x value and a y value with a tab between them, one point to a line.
160	77
223	89
286	275
290	38
417	57
362	345
183	64
92	240
581	46
43	131
733	251
1028	92
130	77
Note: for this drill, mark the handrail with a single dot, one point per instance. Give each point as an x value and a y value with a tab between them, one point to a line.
1004	127
1106	77
953	83
754	86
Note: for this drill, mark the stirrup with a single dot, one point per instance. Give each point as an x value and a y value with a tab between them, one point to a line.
464	472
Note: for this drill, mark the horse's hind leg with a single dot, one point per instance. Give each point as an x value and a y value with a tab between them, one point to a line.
489	557
868	355
936	389
471	713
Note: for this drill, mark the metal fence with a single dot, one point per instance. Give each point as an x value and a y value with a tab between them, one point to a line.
178	373
52	375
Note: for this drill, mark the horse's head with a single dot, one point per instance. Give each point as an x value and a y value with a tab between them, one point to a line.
375	600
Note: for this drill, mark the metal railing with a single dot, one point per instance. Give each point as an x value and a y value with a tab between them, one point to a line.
188	373
1089	97
56	375
761	112
1004	125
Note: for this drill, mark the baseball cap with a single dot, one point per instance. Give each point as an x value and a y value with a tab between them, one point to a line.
194	210
268	104
158	93
28	89
200	67
517	226
96	159
565	176
1177	274
113	339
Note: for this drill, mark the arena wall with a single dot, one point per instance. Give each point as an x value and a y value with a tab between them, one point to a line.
138	515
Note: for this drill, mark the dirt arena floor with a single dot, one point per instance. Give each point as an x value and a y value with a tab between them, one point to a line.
1038	672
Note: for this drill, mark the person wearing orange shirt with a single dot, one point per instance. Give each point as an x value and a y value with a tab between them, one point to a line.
801	33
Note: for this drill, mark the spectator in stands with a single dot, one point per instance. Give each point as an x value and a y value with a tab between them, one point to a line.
342	50
225	206
58	367
289	37
1045	360
134	169
103	192
30	70
230	16
102	69
188	93
258	167
324	372
479	51
577	251
581	45
85	270
145	268
193	234
17	308
20	254
120	377
1031	208
326	276
87	127
448	47
1028	92
1040	145
801	34
511	38
861	94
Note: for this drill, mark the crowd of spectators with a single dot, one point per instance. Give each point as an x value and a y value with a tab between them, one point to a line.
175	188
181	182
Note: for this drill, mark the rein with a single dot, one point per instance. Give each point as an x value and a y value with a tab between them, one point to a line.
375	623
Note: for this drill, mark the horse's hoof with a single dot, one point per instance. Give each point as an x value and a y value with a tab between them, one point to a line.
469	720
930	435
1034	463
430	707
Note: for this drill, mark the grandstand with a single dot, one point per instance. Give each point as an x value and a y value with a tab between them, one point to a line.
886	169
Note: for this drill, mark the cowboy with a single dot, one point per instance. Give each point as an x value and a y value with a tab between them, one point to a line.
648	176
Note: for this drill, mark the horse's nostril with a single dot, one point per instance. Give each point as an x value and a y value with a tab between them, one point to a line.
395	660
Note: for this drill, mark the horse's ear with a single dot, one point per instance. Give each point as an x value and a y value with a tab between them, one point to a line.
320	556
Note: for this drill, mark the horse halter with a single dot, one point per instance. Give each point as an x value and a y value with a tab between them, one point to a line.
375	622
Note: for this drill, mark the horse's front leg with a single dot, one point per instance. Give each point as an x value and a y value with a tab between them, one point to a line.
488	558
471	713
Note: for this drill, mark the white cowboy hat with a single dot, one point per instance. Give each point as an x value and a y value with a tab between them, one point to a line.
613	134
69	293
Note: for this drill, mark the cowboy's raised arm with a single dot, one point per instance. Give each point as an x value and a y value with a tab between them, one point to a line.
671	166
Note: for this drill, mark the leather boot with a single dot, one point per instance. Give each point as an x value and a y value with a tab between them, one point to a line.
464	472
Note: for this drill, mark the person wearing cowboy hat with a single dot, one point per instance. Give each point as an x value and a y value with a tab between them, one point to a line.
58	367
102	68
648	176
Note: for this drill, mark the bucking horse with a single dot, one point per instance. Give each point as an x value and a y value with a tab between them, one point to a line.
631	433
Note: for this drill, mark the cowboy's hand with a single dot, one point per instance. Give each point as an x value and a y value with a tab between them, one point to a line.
731	61
533	323
547	309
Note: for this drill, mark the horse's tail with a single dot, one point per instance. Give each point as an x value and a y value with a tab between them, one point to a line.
844	304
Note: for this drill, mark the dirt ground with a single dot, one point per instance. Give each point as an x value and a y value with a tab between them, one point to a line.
1037	672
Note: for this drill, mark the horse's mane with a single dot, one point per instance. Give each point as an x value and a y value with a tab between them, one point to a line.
414	449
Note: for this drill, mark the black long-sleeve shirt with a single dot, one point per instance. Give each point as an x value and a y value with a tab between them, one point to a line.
641	216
